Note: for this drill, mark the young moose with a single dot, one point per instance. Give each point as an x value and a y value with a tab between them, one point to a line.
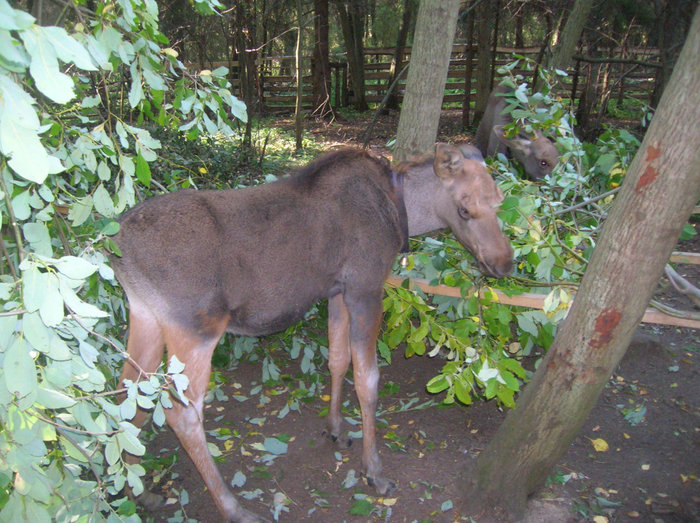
537	154
195	264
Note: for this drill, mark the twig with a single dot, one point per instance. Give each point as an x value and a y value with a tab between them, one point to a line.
587	202
13	221
674	312
6	255
14	313
683	286
382	105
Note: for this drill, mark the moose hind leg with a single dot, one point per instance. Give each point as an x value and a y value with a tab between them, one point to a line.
145	349
338	363
187	420
365	316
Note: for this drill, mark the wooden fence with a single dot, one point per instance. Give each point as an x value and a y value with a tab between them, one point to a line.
630	72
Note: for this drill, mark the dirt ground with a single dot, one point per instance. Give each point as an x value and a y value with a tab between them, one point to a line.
648	414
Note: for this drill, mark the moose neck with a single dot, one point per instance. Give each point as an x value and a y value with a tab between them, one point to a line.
423	194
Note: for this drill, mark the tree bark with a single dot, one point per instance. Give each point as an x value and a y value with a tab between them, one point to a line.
320	65
468	71
298	126
566	45
484	19
352	18
409	10
661	187
425	87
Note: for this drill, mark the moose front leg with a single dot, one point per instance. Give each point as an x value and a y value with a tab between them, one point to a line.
365	316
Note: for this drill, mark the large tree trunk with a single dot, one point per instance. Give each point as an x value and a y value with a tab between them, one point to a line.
566	45
430	60
484	21
659	192
320	65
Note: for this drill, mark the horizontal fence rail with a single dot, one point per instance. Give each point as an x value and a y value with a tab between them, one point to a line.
631	71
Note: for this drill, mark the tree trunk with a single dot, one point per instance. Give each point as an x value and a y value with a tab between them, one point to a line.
566	45
425	87
352	23
670	31
298	127
519	40
484	19
494	43
320	65
658	195
397	61
469	70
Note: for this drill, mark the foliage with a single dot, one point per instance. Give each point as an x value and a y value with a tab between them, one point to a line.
77	106
552	227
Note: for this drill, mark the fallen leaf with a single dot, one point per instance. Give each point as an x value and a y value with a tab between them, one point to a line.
600	445
326	397
627	436
388	502
600	519
633	514
646	467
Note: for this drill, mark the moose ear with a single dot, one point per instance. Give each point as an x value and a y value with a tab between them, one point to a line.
520	142
470	152
448	160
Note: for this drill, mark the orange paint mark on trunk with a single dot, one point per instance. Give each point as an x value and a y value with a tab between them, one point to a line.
653	153
605	324
650	173
647	177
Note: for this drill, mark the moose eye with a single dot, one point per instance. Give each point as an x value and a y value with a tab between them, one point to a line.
463	213
543	163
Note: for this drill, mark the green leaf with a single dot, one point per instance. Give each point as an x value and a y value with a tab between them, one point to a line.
175	366
238	109
28	158
129	442
19	368
111	228
38	237
53	399
51	309
437	384
526	324
75	268
361	507
67	48
143	171
44	67
36	333
32	287
80	210
462	389
275	446
136	91
103	202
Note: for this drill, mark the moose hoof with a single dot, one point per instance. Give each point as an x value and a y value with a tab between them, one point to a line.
343	442
383	486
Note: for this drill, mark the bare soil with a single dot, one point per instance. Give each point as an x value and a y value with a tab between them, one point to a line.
648	414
